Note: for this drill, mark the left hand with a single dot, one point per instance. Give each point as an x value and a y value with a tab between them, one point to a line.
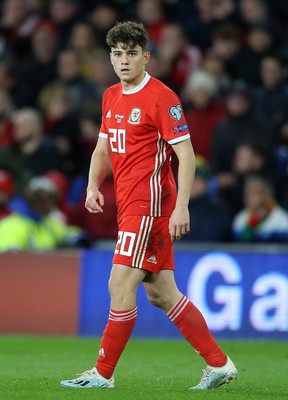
179	223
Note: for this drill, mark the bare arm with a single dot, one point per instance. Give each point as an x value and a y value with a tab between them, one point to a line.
179	223
99	167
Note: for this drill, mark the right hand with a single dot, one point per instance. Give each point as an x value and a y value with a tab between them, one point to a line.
94	201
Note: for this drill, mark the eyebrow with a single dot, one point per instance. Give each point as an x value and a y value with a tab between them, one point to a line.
123	50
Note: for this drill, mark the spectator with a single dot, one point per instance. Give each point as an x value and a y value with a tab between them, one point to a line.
253	11
281	164
32	75
36	224
204	113
6	116
216	66
61	183
239	126
210	215
18	25
103	16
62	126
36	7
226	44
261	41
262	219
270	99
69	72
209	14
178	59
83	41
31	154
90	126
151	14
6	192
64	14
249	158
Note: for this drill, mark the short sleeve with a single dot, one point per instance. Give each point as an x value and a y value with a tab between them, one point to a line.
170	119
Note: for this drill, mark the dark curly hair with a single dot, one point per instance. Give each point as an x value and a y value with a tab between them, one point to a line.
128	33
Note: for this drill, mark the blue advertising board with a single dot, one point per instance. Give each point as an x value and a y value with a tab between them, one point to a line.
241	294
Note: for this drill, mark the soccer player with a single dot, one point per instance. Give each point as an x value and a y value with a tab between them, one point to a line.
142	124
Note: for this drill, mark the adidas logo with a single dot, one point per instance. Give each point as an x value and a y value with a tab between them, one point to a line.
109	114
152	259
102	352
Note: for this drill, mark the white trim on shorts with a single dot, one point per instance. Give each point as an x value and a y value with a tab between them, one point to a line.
142	241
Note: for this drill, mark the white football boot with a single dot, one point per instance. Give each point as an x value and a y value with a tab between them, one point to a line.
90	379
214	377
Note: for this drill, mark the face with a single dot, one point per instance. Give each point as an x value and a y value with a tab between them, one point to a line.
255	195
82	37
44	43
243	160
259	40
237	105
26	127
252	10
68	65
58	105
201	98
129	64
271	72
41	202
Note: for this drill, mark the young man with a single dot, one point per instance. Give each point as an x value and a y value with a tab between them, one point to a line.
143	123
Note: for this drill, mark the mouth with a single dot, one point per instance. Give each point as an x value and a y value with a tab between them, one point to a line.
124	70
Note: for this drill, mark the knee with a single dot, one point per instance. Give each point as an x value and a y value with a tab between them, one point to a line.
156	299
121	292
115	287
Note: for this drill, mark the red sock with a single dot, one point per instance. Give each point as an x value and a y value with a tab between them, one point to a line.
193	327
115	337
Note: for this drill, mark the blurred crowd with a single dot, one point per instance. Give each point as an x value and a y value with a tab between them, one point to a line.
226	59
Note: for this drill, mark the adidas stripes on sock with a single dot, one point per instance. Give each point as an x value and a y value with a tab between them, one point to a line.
193	327
115	337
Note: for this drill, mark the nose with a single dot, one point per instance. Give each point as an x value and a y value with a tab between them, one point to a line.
124	59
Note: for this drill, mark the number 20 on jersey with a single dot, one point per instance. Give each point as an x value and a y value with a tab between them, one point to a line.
118	140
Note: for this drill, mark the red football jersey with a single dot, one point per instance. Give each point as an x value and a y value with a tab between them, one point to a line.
141	124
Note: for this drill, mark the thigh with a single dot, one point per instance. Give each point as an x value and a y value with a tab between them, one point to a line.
144	243
123	285
126	278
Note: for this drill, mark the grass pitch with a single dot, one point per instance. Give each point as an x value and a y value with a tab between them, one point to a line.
31	368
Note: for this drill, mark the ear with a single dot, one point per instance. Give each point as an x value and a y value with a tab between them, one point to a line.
111	58
147	56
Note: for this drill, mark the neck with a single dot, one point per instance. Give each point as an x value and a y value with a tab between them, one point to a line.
132	85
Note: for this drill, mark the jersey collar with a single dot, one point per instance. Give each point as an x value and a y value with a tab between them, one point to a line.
140	86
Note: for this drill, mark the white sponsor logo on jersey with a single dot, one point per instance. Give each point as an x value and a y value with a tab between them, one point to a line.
119	118
176	112
135	115
109	114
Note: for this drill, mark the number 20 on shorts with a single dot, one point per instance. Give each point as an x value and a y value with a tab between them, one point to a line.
125	243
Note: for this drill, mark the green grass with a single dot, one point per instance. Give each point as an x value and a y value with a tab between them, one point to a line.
31	368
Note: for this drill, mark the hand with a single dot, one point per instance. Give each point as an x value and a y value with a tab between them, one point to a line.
179	223
94	201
